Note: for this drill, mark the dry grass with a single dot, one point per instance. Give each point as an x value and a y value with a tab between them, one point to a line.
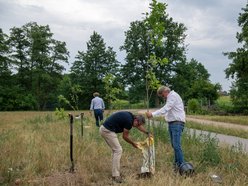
35	151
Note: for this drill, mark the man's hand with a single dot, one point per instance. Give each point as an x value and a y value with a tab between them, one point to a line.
148	114
126	138
135	145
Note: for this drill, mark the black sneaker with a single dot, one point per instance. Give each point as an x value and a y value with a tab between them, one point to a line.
145	175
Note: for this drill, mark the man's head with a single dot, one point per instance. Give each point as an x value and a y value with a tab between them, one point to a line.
95	94
163	91
139	120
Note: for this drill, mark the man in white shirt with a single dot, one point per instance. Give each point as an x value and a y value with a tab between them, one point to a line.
174	114
97	105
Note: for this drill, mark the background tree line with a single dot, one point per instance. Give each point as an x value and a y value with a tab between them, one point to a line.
32	67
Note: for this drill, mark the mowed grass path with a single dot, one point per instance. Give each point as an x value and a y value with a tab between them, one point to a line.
239	120
220	124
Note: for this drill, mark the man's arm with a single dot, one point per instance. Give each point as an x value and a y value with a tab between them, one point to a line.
168	106
91	105
125	136
142	129
103	105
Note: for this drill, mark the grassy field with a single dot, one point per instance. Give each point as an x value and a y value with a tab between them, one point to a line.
35	151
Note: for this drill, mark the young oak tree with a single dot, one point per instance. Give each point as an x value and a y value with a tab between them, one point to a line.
141	42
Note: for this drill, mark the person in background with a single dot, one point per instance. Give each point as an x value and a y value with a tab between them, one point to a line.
174	114
120	122
97	105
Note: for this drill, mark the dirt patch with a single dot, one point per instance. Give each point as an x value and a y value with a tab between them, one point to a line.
59	179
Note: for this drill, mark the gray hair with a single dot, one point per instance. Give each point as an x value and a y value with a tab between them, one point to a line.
162	89
141	119
96	94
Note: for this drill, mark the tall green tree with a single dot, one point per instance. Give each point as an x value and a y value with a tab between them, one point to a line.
155	37
112	89
39	61
238	68
19	44
91	67
5	72
191	80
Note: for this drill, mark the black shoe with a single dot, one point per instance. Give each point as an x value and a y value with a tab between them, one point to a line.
145	175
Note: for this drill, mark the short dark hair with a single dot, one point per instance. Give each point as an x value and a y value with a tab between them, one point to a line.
141	119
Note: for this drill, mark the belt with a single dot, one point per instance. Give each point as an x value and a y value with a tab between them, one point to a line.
171	122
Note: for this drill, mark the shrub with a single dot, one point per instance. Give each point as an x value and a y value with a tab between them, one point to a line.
193	106
120	104
60	113
224	104
210	154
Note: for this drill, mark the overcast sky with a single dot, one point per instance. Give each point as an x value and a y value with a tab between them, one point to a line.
211	24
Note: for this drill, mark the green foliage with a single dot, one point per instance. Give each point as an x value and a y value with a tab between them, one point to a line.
191	80
60	113
210	152
139	105
72	101
156	28
111	90
155	23
160	131
63	102
120	104
155	55
153	46
193	106
76	91
4	59
38	60
238	69
224	104
92	66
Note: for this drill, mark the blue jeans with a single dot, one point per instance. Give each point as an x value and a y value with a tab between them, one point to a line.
175	131
98	116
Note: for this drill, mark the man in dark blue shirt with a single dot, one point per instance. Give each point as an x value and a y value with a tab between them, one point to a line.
120	122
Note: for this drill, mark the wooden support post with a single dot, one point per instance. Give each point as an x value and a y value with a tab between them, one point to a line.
82	124
71	143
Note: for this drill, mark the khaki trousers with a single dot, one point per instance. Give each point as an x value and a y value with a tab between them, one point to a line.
113	142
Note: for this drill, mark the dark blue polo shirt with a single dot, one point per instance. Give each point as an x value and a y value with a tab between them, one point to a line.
118	121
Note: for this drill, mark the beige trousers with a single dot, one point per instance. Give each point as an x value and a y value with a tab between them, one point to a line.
113	142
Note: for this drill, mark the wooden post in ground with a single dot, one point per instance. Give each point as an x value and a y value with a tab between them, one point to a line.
71	143
82	124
